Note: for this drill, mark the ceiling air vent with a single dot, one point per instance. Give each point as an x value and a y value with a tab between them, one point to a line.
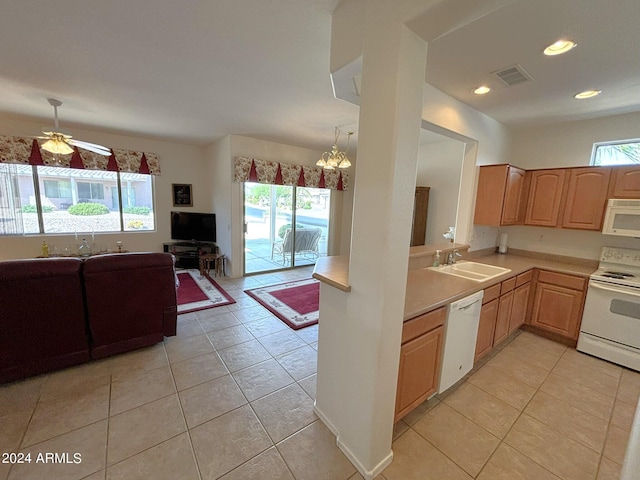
513	75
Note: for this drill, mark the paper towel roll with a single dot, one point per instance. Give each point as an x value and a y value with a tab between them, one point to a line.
502	246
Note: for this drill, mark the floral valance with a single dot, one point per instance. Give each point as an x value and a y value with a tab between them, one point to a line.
276	173
27	151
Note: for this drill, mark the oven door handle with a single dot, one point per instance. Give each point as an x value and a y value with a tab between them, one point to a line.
614	290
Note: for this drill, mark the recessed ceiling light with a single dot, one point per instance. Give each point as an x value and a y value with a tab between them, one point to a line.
481	90
587	94
559	47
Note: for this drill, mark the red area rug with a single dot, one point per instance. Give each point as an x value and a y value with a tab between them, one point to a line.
199	292
295	303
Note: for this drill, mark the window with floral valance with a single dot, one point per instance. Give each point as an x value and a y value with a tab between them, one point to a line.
27	151
278	173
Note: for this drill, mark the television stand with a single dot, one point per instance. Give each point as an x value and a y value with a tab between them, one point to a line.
188	253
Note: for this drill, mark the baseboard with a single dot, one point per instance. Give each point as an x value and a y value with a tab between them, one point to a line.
367	474
325	420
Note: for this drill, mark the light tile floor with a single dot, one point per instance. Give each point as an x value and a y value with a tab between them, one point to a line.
231	397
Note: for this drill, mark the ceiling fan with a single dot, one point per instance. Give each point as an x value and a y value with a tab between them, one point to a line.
61	142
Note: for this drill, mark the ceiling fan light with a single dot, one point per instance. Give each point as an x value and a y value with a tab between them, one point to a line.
57	147
587	94
559	47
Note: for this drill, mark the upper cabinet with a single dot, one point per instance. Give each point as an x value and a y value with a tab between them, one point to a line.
625	182
545	194
499	195
586	198
573	197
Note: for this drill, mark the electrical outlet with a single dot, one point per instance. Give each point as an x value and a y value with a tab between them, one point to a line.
540	239
472	237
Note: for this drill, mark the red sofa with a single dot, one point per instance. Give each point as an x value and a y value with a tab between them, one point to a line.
58	312
42	316
131	301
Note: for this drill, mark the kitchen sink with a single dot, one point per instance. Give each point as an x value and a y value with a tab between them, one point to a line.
478	272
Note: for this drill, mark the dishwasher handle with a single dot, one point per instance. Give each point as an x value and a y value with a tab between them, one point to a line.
467	306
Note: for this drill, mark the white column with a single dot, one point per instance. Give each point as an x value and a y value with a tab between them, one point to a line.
359	336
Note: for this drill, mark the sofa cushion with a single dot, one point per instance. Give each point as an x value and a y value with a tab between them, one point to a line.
131	300
42	318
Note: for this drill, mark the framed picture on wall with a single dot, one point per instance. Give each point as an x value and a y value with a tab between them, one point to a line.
182	195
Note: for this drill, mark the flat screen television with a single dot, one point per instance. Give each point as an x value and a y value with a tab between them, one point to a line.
189	226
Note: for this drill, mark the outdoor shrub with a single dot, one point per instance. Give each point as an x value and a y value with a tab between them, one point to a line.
137	210
32	209
135	224
88	209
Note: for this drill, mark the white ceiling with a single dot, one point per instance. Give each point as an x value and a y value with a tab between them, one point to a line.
195	71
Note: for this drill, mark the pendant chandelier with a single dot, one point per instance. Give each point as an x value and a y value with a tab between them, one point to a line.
335	158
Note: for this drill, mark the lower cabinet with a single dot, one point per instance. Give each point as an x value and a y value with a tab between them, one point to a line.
420	356
521	301
557	307
505	307
486	328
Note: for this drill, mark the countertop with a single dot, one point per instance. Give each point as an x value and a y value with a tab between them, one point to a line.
333	271
428	289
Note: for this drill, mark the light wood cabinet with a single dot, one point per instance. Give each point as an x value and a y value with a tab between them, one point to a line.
486	328
499	195
420	208
519	308
558	302
545	195
420	356
504	314
625	182
586	198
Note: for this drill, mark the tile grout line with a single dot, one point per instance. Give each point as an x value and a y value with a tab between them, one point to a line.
502	440
184	418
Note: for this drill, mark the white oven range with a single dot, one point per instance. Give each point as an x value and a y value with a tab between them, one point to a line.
611	320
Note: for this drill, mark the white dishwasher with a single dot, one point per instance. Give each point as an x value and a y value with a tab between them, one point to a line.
461	332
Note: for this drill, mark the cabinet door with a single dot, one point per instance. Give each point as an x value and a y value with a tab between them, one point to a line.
512	196
626	182
545	193
492	182
557	309
418	372
586	198
486	328
504	313
519	307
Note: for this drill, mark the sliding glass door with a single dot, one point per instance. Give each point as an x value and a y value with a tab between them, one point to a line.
285	226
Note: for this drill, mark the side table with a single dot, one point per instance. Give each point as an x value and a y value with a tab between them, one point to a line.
218	263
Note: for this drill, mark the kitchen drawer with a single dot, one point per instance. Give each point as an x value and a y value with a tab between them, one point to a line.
508	285
491	293
562	280
524	278
424	323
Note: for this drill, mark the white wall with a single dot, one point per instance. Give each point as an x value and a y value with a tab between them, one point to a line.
219	182
179	163
567	144
488	143
440	168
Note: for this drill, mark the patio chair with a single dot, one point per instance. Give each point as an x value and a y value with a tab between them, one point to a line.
307	240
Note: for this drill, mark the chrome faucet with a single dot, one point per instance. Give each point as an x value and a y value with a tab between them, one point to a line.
453	256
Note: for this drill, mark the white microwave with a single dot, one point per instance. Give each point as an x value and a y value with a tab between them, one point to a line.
622	218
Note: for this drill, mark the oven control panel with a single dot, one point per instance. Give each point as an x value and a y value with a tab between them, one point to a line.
622	256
